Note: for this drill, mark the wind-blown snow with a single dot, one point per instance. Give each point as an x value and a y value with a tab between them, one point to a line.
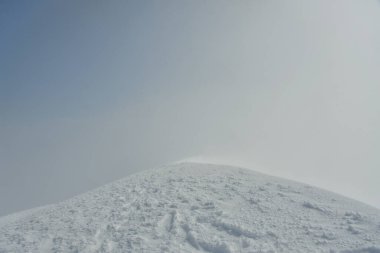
192	207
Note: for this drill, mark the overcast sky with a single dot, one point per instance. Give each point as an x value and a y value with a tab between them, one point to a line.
91	91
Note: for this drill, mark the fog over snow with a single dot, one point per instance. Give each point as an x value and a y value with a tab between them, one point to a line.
92	91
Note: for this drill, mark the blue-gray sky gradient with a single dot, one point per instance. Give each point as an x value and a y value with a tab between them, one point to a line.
91	91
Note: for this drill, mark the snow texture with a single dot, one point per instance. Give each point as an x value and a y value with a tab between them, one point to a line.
191	207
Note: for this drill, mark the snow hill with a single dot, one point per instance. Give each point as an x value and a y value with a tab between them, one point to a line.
190	207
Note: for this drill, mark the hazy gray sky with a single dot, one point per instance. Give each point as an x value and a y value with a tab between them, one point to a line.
91	91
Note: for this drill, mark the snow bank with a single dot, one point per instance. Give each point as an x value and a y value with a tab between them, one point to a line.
191	207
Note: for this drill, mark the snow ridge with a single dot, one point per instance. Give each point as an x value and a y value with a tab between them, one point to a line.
191	207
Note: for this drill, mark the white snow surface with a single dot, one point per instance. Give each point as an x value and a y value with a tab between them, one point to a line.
190	207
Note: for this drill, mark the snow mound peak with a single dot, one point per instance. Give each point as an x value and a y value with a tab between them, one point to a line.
190	207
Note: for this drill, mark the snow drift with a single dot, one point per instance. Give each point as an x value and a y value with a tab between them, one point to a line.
191	207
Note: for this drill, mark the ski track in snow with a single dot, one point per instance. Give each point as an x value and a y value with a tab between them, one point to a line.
191	207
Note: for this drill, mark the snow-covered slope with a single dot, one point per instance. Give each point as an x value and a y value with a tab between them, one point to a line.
192	207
